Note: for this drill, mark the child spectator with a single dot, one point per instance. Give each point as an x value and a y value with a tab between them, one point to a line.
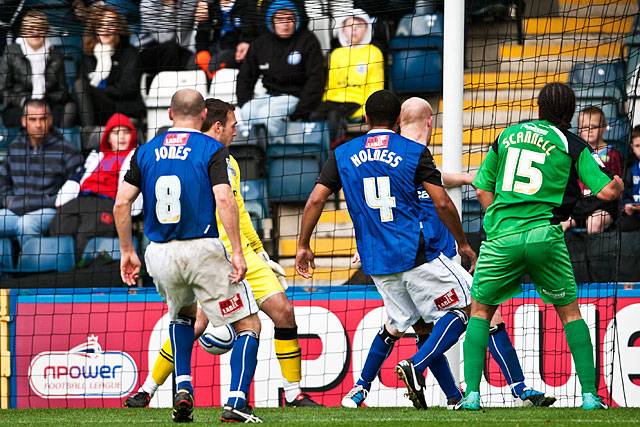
110	71
32	68
356	70
38	163
630	219
222	41
290	62
590	212
85	206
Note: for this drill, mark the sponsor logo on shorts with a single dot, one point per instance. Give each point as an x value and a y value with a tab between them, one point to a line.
231	305
447	300
378	141
175	139
555	295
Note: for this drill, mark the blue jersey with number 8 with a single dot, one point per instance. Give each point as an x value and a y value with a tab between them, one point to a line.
378	173
175	172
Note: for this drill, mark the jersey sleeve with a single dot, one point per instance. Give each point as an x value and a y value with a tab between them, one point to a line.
486	177
426	170
218	167
133	175
329	176
591	171
246	226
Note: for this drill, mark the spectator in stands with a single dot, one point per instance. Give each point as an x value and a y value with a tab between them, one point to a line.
590	212
38	163
110	71
222	41
630	219
356	70
263	7
32	68
167	31
85	206
290	62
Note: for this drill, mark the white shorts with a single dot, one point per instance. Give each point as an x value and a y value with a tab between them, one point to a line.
198	269
427	291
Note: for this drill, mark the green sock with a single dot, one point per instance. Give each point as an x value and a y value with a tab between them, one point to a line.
475	348
581	348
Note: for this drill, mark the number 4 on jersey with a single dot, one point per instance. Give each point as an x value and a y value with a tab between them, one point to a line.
377	193
520	163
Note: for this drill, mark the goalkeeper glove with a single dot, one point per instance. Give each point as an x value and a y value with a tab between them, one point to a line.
276	268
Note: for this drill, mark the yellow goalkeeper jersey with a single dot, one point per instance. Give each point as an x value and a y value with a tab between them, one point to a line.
248	234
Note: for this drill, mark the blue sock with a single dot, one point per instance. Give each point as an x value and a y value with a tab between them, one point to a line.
244	358
445	333
441	371
380	349
182	337
505	355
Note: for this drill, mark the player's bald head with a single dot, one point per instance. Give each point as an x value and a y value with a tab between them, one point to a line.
187	103
415	111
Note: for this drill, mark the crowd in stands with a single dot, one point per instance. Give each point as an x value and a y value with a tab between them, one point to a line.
48	187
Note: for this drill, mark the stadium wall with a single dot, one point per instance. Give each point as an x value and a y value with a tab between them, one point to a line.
91	348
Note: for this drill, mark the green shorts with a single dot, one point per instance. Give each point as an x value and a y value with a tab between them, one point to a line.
541	253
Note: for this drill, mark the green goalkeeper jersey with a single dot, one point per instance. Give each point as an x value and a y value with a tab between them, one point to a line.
533	170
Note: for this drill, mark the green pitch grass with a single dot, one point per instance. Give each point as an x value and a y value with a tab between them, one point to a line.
330	417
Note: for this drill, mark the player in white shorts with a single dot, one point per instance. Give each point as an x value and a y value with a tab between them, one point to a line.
182	175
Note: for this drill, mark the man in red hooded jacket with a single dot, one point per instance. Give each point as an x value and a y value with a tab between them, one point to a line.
85	206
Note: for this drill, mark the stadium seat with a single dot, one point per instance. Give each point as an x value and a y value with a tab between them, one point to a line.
599	80
108	245
249	152
617	133
291	178
223	85
416	52
302	137
254	192
40	254
73	136
6	256
162	88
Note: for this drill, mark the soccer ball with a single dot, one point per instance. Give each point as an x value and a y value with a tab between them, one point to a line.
217	340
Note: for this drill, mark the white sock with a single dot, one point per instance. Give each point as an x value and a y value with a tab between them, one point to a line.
291	390
149	386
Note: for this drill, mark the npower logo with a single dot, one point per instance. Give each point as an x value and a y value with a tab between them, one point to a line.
83	371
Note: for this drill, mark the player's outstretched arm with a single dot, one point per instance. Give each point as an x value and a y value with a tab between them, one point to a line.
129	261
449	215
310	217
453	180
228	212
612	190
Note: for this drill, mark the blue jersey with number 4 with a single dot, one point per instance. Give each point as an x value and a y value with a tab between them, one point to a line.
176	185
378	174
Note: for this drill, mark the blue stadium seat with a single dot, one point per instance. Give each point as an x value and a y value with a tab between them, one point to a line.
308	138
617	133
40	254
416	52
72	135
255	197
6	256
108	245
599	80
292	178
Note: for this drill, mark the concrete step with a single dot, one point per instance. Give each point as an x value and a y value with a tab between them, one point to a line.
500	95
510	80
597	8
532	50
565	24
534	66
329	271
469	136
322	246
498	117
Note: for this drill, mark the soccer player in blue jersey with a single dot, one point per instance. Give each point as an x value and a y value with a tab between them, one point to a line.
378	173
182	175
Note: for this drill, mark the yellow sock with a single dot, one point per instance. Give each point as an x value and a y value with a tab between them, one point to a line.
288	353
164	364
